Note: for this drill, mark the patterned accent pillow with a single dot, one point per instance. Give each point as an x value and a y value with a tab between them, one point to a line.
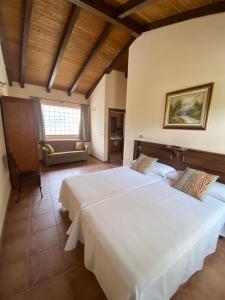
195	183
143	164
49	148
79	146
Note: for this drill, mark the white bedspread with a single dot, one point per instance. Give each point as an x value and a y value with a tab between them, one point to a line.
81	191
144	244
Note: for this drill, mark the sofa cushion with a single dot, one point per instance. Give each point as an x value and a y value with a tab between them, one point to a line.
66	154
65	157
79	146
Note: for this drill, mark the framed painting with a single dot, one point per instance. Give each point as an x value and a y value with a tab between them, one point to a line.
188	108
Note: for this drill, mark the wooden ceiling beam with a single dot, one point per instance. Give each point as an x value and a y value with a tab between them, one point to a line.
110	66
131	6
26	28
63	43
109	13
104	34
210	9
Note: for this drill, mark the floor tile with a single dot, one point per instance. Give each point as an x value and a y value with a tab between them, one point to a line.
55	289
45	265
45	189
55	189
20	296
74	258
62	233
42	221
203	285
18	215
36	200
84	285
57	205
62	216
24	202
55	182
14	249
13	278
41	208
15	230
43	240
55	196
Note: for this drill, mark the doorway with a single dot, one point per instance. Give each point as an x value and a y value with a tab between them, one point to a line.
116	135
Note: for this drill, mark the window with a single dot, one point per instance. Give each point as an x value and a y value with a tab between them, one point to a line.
61	120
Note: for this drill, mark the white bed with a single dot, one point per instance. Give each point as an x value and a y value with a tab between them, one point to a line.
79	192
143	244
142	237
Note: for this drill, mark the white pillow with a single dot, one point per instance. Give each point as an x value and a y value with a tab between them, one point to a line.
174	176
161	169
131	164
217	190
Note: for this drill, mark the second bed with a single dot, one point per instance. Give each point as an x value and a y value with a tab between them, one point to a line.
79	192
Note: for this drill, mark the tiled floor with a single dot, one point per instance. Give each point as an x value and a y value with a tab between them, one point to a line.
34	265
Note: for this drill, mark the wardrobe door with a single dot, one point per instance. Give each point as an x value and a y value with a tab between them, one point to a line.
20	126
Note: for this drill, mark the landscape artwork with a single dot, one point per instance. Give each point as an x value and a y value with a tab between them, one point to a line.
188	109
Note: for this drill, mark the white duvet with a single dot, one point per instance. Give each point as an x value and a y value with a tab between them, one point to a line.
79	192
142	245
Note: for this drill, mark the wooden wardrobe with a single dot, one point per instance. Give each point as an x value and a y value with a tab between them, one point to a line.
21	135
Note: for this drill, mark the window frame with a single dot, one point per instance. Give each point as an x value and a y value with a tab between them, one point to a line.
61	105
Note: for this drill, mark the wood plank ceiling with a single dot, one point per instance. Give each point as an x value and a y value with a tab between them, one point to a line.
70	45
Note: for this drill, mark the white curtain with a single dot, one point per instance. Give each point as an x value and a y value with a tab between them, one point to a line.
84	133
40	119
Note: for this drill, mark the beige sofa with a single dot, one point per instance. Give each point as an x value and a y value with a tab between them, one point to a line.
64	152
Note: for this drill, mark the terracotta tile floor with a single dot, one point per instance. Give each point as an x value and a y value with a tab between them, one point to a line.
33	264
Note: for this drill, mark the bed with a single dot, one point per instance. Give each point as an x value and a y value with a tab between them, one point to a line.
78	192
143	242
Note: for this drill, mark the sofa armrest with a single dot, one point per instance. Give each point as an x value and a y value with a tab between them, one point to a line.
45	153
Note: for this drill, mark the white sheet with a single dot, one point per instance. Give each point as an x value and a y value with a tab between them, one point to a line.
80	191
144	244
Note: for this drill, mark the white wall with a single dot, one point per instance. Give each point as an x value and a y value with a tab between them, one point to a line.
39	91
169	59
116	90
97	109
4	174
110	93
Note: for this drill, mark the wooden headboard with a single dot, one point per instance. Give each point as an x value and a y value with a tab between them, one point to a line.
180	158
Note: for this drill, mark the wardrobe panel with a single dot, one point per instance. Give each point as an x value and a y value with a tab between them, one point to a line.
20	126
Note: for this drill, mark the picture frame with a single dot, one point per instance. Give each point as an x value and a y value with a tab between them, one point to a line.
188	108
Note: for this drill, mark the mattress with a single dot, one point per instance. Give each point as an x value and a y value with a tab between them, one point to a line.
144	244
79	192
